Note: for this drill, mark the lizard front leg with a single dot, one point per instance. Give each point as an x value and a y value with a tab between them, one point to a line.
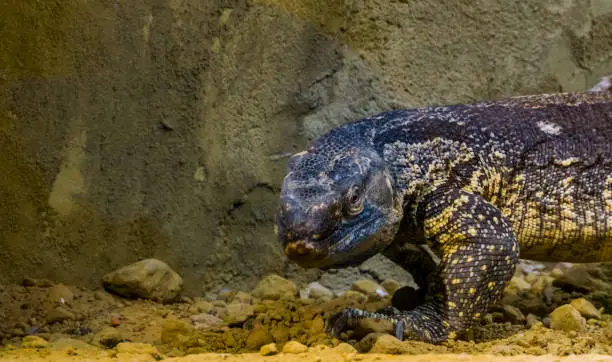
478	254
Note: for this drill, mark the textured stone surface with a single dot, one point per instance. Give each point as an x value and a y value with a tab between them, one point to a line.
171	142
274	287
147	279
567	318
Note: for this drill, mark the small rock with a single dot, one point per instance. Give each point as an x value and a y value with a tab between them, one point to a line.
115	320
382	343
531	320
391	285
176	332
268	349
369	288
345	348
513	315
108	337
237	313
59	294
518	284
59	314
354	297
33	342
201	306
315	290
541	283
281	333
586	308
64	343
205	321
242	297
105	297
258	337
138	348
274	287
556	272
567	318
294	347
147	279
579	279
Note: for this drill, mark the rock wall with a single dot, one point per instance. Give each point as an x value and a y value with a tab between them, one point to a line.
161	128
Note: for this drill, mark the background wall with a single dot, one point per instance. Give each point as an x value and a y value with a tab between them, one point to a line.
160	128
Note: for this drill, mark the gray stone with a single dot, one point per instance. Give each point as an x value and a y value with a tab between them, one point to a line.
148	279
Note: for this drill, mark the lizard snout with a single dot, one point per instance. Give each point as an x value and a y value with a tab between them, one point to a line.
308	226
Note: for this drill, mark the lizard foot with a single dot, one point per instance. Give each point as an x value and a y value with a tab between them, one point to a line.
345	320
421	324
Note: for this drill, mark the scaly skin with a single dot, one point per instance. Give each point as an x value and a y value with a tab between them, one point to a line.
480	184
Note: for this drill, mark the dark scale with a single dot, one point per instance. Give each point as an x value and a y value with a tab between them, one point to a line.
479	184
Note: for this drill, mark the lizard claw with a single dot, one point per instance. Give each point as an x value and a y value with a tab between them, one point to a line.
399	329
339	322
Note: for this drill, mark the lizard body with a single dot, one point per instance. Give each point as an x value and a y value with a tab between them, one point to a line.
481	184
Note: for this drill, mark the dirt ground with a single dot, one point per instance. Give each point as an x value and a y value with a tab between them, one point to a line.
40	320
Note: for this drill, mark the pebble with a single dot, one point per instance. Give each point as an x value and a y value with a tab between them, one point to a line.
205	321
64	343
579	279
103	296
59	294
175	332
59	314
567	318
518	284
115	320
148	279
382	343
391	285
107	337
238	313
345	348
315	290
586	308
268	349
354	297
369	288
33	342
294	347
201	306
513	315
242	297
258	337
531	320
138	348
274	287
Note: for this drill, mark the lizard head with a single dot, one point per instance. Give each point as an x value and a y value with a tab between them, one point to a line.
336	207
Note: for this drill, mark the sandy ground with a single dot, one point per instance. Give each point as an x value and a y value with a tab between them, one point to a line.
44	321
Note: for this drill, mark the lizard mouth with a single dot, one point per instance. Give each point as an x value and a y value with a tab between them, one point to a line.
349	245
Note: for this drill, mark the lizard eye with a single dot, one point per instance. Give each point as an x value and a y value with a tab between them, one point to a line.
355	201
